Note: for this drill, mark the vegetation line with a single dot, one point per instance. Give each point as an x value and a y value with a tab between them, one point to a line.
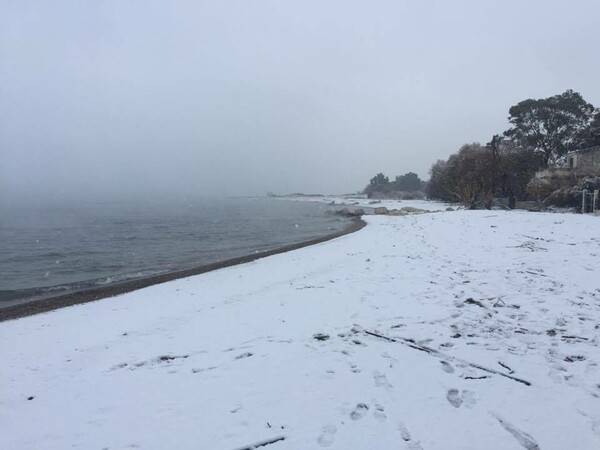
550	154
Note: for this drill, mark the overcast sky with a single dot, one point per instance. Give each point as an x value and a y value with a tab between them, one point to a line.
129	98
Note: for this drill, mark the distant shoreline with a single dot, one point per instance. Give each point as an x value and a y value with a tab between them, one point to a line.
29	308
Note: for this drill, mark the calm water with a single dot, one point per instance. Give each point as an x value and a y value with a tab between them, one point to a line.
47	251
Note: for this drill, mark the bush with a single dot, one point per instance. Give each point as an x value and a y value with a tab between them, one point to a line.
561	192
589	183
541	189
564	197
469	177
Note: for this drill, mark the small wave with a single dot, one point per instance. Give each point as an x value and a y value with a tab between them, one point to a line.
125	277
149	243
55	288
12	295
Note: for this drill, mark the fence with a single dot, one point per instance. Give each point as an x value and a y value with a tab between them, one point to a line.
590	202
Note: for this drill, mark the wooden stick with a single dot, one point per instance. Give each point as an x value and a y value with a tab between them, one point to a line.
263	443
412	344
510	371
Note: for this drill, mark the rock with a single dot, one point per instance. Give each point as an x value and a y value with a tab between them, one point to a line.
356	213
471	301
320	336
410	209
346	212
413	210
381	210
450	209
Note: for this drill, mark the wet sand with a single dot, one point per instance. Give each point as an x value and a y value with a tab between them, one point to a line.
29	308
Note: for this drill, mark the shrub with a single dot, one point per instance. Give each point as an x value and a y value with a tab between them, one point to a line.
541	189
564	197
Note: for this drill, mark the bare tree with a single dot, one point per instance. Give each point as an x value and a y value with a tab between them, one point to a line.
469	176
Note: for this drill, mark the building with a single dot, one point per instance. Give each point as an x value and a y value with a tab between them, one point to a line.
580	163
584	162
569	185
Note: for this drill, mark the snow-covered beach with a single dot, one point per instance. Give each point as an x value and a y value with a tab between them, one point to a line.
449	330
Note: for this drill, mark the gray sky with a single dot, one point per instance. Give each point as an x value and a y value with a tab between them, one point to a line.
128	98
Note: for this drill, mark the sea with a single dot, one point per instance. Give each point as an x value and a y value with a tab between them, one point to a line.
49	250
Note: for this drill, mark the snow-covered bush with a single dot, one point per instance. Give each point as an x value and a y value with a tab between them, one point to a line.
589	183
564	197
540	189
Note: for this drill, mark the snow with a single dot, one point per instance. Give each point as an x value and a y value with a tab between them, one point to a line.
357	202
463	301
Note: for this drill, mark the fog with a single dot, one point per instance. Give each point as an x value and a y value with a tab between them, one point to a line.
129	99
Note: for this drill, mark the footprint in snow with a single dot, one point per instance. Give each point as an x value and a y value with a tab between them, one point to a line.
468	398
354	368
159	360
379	413
327	436
453	397
596	427
236	408
447	367
359	412
456	399
381	380
404	432
406	437
522	438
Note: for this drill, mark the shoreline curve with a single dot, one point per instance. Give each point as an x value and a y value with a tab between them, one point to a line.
30	308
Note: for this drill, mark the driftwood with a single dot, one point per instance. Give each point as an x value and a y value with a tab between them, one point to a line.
575	338
510	371
412	344
471	301
263	443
